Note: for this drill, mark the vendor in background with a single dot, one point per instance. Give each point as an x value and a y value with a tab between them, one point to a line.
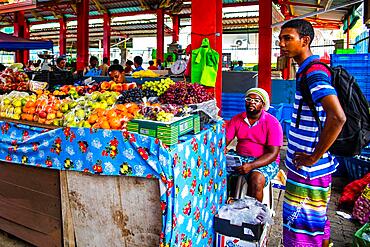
30	66
61	64
115	62
259	138
138	61
159	65
104	67
239	67
2	67
116	73
92	69
151	65
128	68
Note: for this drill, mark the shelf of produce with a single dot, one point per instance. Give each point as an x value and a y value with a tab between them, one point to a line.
148	188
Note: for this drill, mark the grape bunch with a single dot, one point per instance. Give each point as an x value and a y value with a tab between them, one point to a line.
133	95
183	93
149	93
158	86
163	116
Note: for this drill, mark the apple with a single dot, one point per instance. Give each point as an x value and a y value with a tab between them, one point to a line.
42	114
17	103
50	116
64	107
80	114
17	110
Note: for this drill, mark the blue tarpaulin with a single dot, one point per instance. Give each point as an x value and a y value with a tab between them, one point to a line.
12	43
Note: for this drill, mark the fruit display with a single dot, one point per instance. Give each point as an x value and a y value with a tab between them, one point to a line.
13	80
158	112
11	104
145	73
117	87
158	86
183	93
135	95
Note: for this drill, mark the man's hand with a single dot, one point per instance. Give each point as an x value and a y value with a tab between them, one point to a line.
302	159
244	169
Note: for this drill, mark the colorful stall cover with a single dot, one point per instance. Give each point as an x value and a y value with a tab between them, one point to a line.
192	173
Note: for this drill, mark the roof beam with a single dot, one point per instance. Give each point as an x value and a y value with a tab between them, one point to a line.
240	4
100	7
36	15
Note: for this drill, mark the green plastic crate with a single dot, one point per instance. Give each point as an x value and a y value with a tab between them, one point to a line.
167	133
345	51
358	241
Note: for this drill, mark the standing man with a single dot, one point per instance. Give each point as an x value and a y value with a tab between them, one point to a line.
259	138
309	163
104	67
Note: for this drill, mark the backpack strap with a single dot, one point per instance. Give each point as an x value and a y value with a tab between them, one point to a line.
307	96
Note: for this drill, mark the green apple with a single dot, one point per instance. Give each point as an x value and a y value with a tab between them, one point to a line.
16	116
6	101
17	103
103	104
96	105
24	101
18	110
95	95
80	114
64	107
72	104
111	100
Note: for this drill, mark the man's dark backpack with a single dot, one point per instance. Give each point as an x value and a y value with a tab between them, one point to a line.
355	133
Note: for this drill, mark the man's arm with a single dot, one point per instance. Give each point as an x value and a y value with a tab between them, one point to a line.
268	157
335	119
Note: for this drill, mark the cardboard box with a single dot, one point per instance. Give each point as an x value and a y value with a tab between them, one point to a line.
228	241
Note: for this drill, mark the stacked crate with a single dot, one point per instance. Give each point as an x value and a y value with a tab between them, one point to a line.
357	65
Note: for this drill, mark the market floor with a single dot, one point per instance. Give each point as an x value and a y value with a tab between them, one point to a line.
342	230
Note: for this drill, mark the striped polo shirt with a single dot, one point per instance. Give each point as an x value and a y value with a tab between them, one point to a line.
305	138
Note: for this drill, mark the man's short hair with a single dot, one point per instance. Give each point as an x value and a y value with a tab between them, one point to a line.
115	61
151	62
59	59
303	27
115	67
129	63
105	60
93	58
138	60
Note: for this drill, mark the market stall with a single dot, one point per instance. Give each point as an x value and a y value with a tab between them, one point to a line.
12	43
82	148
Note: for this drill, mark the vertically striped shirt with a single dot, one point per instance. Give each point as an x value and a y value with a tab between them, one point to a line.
305	138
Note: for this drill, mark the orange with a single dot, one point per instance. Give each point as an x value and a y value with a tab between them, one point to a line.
105	125
111	114
115	123
99	111
96	126
93	118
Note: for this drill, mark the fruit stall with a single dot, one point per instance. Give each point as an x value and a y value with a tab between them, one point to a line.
127	165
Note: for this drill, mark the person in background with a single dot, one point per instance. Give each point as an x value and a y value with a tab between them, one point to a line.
104	67
115	62
92	69
61	64
259	138
128	68
151	65
2	67
116	73
159	65
138	61
310	165
239	67
30	66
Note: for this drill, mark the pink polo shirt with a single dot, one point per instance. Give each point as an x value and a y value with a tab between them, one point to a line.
253	139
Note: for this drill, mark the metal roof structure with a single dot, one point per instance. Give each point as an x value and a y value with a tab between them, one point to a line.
49	11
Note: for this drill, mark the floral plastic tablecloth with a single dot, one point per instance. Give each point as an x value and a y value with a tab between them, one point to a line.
192	173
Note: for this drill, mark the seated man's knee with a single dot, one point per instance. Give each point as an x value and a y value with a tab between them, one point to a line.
257	180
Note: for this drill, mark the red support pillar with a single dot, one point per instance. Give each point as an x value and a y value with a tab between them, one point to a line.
106	36
19	32
176	28
62	36
264	44
206	22
160	34
218	89
26	53
83	34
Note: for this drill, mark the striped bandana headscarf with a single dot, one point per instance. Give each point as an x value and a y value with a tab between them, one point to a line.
263	95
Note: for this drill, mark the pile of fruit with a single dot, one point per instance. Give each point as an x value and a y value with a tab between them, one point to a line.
158	86
117	87
144	73
13	80
158	112
183	93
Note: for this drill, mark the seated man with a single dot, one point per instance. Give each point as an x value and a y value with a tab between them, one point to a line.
116	73
259	138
